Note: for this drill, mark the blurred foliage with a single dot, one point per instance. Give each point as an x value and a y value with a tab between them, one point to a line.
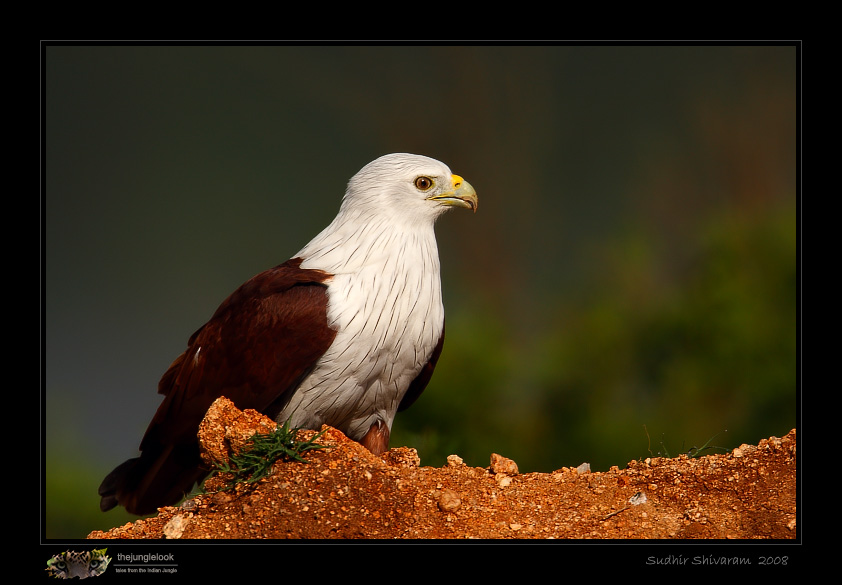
685	354
680	331
72	508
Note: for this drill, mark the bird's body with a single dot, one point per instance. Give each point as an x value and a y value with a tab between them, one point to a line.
346	333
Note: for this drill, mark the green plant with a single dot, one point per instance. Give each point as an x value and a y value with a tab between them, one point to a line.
691	452
255	463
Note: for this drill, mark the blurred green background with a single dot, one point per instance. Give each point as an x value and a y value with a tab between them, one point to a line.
627	288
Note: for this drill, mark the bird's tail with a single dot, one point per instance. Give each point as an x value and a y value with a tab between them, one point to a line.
159	477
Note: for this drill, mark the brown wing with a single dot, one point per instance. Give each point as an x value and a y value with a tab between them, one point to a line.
423	378
255	350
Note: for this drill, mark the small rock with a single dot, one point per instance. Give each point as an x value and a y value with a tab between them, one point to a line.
449	501
226	430
791	524
454	461
637	499
406	457
221	498
500	464
175	527
583	468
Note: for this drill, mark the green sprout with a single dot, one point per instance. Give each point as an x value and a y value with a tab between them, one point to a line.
255	463
691	452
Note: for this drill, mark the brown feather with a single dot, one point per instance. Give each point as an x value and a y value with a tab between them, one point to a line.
255	350
423	378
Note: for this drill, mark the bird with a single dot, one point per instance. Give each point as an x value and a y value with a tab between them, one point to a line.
345	333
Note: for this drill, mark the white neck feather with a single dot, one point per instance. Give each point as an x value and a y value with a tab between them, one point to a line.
385	304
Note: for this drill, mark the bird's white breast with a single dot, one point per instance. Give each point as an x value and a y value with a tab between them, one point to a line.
386	307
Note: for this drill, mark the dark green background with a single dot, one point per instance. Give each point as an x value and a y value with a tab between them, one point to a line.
627	288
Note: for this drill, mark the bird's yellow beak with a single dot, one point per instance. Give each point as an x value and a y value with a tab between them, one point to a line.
461	194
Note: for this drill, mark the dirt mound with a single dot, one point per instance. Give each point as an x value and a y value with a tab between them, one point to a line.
346	492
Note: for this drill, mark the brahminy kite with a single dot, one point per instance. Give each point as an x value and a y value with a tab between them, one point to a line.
346	333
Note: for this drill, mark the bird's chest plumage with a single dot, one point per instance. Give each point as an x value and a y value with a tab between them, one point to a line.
388	317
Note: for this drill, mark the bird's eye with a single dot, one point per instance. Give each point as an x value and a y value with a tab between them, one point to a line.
424	183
